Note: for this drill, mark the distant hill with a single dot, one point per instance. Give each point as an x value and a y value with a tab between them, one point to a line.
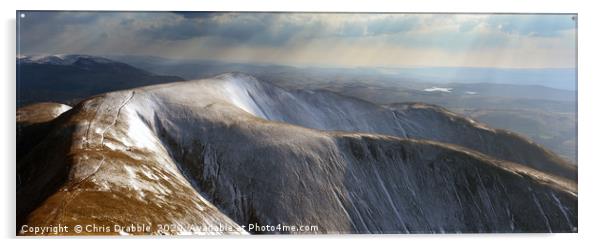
71	78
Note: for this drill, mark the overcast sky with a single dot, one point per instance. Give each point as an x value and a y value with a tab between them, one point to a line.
342	40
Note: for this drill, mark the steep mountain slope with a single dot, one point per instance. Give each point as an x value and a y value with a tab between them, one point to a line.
499	143
329	111
212	152
70	78
34	122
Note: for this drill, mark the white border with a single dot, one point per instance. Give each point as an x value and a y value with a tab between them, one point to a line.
590	173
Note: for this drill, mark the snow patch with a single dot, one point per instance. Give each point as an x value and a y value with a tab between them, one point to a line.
239	96
439	89
61	59
139	134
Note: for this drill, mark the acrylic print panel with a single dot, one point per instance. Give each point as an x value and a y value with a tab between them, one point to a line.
144	123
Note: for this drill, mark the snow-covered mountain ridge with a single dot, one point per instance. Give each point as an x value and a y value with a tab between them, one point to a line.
233	150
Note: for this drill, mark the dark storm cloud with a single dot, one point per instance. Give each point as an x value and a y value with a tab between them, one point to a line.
36	27
253	28
58	19
274	29
197	15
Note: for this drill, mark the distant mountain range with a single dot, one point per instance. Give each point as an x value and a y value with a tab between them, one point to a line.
70	78
558	78
233	150
554	78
